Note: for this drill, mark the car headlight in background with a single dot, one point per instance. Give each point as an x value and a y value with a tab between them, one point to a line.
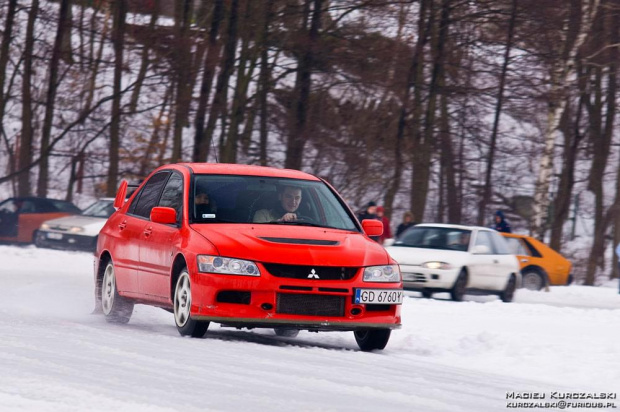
437	265
228	266
45	226
386	273
76	229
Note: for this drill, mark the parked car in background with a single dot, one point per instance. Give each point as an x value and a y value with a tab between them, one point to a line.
78	232
456	259
20	217
540	265
247	246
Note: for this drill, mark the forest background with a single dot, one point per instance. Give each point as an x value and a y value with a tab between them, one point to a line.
449	108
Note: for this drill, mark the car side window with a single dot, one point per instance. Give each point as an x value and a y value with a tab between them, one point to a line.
172	196
149	195
515	246
28	206
484	238
499	242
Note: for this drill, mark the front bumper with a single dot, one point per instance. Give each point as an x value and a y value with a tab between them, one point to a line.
268	301
60	240
419	278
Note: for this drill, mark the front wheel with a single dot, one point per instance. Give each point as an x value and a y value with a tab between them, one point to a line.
182	305
374	339
286	332
508	293
116	308
460	286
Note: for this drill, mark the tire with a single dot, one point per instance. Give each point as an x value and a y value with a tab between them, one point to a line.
570	280
37	239
532	279
373	339
182	305
116	308
286	332
508	293
427	294
460	286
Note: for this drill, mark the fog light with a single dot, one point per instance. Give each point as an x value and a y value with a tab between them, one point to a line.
356	311
266	306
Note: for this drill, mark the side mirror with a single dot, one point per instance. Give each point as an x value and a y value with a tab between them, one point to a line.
372	227
119	200
481	250
165	215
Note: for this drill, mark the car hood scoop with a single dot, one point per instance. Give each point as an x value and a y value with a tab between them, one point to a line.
294	241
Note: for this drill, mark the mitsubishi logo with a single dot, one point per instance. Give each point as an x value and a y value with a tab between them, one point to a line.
313	275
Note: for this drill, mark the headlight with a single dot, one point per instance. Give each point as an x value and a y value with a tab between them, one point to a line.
387	273
45	226
436	265
229	266
76	229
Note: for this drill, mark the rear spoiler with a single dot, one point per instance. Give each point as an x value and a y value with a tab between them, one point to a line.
125	190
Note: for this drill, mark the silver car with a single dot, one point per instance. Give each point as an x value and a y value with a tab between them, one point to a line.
77	232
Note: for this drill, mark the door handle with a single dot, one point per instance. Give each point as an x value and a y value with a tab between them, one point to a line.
148	231
524	260
122	225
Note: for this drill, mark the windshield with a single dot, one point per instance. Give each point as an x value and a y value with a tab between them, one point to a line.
101	208
267	200
435	238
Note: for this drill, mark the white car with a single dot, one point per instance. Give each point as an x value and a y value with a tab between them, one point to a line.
77	232
456	259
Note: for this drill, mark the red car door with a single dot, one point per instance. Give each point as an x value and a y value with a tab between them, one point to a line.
130	235
157	243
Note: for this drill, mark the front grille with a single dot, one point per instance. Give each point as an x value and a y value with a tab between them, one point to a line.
310	305
60	228
311	272
414	277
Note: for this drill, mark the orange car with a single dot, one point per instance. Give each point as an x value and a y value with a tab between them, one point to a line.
20	217
540	265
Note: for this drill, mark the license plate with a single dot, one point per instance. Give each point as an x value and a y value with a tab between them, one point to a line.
379	296
55	236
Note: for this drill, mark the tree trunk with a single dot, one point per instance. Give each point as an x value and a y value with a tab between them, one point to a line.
297	130
144	61
264	82
118	35
488	182
221	88
25	147
201	145
50	101
183	11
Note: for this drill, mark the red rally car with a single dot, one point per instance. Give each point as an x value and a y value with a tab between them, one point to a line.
247	246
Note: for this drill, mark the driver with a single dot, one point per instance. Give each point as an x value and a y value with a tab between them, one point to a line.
286	210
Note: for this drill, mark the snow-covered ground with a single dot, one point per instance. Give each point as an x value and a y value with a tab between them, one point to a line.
56	356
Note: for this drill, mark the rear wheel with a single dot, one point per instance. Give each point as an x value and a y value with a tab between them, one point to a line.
37	239
286	332
533	280
460	286
115	308
373	339
182	305
427	294
508	293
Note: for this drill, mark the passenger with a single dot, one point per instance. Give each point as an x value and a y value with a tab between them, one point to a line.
501	224
387	232
204	205
406	224
286	210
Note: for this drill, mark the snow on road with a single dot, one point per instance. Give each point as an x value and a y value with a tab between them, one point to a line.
56	356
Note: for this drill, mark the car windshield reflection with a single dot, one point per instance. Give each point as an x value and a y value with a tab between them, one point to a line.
101	208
